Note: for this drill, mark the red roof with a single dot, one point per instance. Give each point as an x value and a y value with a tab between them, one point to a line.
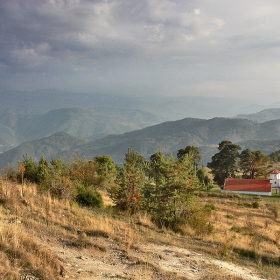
274	171
251	185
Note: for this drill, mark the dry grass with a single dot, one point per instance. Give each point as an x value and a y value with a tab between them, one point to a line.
243	231
26	220
242	234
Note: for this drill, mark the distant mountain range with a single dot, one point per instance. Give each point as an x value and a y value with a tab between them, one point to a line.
55	123
262	116
168	137
168	107
92	124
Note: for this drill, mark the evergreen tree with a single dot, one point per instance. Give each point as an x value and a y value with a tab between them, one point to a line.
130	181
105	170
224	163
203	178
192	151
167	197
31	168
61	184
43	173
253	164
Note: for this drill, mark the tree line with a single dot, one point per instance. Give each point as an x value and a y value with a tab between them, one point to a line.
229	162
164	186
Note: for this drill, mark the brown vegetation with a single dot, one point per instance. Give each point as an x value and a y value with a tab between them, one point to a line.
38	232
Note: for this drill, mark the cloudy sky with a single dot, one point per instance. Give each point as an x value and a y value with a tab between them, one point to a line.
168	47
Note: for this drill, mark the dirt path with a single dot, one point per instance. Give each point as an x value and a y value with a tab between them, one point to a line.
147	261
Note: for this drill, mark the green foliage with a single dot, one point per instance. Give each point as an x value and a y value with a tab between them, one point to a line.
199	218
192	151
31	169
204	179
275	157
84	172
163	187
224	162
89	198
43	172
253	164
256	204
130	181
105	170
209	207
167	198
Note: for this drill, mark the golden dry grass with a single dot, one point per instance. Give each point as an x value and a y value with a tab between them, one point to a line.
242	234
243	231
25	220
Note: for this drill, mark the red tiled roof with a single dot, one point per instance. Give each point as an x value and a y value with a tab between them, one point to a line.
252	185
274	171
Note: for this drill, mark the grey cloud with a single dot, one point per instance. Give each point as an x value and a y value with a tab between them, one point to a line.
187	46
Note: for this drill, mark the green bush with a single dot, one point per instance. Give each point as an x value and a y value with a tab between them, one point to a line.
89	198
255	204
209	207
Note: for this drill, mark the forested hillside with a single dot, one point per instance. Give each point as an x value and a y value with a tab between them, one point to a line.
167	137
92	124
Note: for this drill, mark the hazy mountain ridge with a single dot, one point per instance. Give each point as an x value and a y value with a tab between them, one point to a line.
168	137
25	116
49	147
145	123
262	116
169	108
18	128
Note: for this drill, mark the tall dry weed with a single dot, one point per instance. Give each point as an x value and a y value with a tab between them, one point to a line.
275	208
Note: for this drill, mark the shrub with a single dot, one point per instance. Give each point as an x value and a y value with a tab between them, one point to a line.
199	223
255	204
89	198
199	219
209	207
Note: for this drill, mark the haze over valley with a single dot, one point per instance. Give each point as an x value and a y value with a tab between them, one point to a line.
95	124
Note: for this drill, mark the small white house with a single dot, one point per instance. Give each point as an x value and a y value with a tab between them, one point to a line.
275	180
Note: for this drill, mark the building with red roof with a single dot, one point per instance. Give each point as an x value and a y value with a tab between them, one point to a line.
253	186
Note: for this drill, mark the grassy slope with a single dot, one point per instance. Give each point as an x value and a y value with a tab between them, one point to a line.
33	226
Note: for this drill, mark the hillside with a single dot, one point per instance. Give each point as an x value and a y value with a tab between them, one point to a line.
171	136
43	237
26	116
49	147
18	128
168	137
262	116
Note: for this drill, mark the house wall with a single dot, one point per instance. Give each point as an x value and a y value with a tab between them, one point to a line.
274	183
275	176
248	192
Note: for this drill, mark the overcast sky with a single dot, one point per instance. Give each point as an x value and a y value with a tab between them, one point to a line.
184	47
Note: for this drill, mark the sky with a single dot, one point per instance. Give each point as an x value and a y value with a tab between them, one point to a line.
181	48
